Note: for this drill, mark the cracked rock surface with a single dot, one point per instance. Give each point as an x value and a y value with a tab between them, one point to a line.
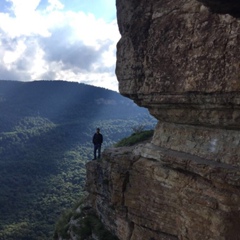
149	192
180	60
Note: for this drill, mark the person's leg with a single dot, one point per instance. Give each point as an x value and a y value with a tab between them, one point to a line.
95	151
99	151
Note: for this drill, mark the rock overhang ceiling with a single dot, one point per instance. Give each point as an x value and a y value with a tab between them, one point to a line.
223	6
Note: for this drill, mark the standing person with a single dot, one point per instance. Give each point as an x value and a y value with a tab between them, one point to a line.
97	141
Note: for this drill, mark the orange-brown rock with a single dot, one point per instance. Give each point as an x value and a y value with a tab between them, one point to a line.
148	192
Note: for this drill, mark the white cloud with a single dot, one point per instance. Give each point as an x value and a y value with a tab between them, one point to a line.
54	5
57	44
11	56
23	20
24	8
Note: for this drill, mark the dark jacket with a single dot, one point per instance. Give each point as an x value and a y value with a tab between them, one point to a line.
97	138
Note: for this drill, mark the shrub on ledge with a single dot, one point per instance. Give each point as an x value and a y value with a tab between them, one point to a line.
135	138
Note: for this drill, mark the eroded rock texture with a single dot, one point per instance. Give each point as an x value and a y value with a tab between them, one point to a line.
150	192
181	60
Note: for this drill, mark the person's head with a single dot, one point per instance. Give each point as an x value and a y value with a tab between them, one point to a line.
98	130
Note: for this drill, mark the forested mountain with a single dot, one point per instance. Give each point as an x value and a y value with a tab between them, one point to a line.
46	130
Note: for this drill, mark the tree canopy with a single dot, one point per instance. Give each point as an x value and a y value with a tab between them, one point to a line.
46	130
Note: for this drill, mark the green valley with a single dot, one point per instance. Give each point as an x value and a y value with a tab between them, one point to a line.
46	130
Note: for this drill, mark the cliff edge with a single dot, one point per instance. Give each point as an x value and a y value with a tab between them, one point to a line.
180	59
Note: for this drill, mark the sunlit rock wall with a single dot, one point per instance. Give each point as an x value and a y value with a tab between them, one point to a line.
148	192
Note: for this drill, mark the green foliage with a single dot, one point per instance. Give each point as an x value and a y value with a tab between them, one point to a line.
46	133
85	225
138	128
91	224
135	138
62	225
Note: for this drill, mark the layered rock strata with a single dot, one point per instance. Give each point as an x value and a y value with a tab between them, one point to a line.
150	192
181	60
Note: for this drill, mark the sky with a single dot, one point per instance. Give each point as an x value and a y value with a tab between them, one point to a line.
71	40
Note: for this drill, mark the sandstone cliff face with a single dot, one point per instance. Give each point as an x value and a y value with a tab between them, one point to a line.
181	60
149	192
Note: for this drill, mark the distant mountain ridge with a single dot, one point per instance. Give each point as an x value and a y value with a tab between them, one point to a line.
54	99
46	130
